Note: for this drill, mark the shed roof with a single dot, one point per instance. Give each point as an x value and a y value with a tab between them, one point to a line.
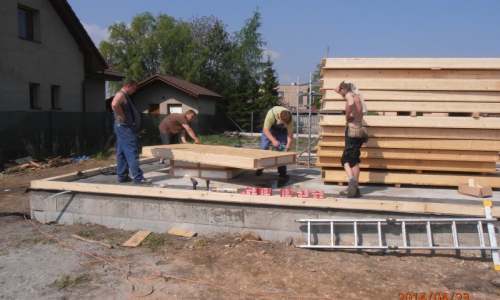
180	84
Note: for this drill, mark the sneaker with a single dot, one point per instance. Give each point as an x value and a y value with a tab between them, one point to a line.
126	179
284	175
351	189
143	181
259	172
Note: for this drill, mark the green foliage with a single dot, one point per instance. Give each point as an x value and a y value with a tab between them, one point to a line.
268	93
200	51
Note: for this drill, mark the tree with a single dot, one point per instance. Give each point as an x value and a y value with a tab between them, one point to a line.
268	93
248	66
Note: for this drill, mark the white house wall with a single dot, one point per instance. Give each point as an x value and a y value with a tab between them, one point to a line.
54	60
163	94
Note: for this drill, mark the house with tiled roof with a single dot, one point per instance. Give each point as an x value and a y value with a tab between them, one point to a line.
52	76
164	94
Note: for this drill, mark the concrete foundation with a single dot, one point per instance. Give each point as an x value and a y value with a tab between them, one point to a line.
271	221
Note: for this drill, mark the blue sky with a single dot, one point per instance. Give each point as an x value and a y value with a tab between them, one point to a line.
299	34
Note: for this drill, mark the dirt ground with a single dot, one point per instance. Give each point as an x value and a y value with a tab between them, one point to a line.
42	261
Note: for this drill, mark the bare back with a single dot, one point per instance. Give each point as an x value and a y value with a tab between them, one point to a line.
353	108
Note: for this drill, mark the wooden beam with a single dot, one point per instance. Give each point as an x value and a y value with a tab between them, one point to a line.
388	143
426	96
329	202
419	154
447	107
412	63
418	122
414	164
424	133
398	74
433	179
418	84
240	158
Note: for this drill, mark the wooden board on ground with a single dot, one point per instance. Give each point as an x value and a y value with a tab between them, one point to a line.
241	158
181	232
137	238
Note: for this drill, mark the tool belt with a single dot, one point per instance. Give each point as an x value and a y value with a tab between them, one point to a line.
356	131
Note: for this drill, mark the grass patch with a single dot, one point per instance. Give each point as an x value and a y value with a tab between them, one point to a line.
222	140
245	141
154	242
101	155
85	234
66	281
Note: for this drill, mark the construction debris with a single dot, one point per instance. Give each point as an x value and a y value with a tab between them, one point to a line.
181	232
137	238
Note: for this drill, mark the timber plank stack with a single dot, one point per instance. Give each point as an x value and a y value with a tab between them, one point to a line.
431	121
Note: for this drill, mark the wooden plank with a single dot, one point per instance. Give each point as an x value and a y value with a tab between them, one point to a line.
417	84
411	63
447	107
222	156
137	238
427	96
329	202
418	122
414	164
91	172
432	179
421	154
400	143
181	232
397	74
424	133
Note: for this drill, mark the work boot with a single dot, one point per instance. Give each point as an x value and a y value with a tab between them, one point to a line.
357	195
352	187
126	179
284	175
143	181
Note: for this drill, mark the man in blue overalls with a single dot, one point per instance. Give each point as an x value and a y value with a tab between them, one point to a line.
278	128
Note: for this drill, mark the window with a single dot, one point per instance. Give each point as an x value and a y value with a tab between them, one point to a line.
27	20
281	95
54	96
174	108
154	109
34	94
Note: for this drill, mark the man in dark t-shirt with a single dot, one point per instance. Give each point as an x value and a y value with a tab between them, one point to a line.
174	127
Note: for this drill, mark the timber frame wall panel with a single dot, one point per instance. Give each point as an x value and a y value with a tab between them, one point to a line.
239	158
428	118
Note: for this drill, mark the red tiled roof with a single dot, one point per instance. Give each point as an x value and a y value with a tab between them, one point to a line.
180	84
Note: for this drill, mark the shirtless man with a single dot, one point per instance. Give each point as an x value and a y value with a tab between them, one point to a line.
354	111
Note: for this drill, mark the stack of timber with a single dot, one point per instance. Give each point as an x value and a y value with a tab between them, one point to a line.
431	121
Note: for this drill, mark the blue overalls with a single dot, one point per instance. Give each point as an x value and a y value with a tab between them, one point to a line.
280	133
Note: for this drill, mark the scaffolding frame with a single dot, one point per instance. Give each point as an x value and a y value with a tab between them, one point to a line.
310	96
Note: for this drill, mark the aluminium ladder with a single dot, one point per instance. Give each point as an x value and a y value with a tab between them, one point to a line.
405	223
